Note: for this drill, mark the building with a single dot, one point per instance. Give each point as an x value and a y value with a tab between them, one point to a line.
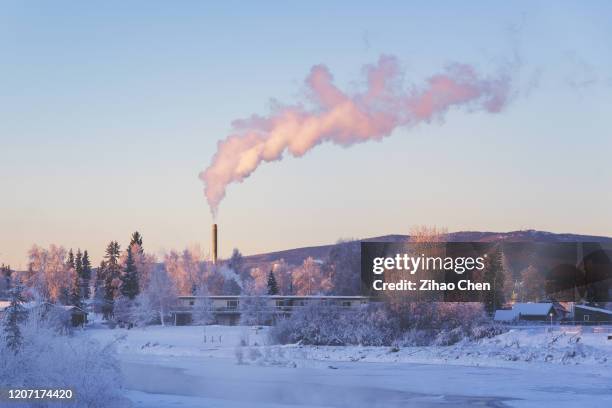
68	315
592	315
543	312
226	309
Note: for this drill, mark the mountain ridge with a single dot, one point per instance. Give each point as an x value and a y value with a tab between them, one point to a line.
296	256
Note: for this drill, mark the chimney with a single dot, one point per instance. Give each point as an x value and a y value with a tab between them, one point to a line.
214	244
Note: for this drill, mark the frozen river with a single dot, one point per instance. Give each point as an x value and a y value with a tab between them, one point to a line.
218	382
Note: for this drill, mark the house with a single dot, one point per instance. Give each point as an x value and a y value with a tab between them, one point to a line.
226	309
505	316
543	312
592	315
68	315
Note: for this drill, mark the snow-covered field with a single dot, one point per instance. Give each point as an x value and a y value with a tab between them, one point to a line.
221	366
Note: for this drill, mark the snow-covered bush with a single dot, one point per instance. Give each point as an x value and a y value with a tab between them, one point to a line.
48	360
486	331
321	324
381	325
415	337
450	337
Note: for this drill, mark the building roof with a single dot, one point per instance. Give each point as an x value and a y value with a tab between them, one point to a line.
523	309
594	309
532	309
277	297
505	315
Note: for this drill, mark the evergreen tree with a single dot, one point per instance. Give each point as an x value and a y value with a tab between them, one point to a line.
272	284
129	278
15	313
6	272
75	290
78	263
112	273
70	261
85	275
112	269
136	239
100	289
494	275
78	268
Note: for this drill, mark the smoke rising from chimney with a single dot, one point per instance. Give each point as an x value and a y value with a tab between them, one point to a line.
346	119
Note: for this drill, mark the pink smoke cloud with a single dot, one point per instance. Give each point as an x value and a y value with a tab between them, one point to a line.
344	119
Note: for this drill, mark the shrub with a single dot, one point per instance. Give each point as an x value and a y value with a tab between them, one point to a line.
46	359
322	324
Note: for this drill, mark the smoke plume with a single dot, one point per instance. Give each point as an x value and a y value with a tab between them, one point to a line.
345	119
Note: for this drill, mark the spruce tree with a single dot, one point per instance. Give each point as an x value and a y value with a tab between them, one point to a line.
15	313
100	289
85	275
136	239
70	261
78	267
78	262
7	272
129	279
112	272
494	275
75	290
112	269
272	284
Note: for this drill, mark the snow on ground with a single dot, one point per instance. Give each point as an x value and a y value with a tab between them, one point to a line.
176	366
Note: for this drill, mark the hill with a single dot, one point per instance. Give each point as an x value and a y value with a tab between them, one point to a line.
297	255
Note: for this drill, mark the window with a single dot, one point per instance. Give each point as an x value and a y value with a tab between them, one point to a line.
587	318
191	303
232	304
346	303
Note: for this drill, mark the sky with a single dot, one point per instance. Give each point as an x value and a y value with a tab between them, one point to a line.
110	110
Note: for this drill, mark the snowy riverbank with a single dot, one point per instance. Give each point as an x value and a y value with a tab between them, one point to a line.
175	366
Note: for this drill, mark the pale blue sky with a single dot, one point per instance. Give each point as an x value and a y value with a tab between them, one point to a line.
109	110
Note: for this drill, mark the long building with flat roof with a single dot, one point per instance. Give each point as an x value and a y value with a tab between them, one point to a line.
226	308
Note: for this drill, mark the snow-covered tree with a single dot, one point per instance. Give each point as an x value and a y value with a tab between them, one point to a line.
85	276
5	279
272	284
99	295
48	273
282	272
136	240
236	263
203	307
532	285
160	294
495	276
259	280
309	279
13	315
123	310
185	269
112	281
75	290
254	309
344	266
129	278
143	312
49	359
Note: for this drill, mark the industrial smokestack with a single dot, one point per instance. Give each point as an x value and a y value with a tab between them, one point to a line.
214	244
